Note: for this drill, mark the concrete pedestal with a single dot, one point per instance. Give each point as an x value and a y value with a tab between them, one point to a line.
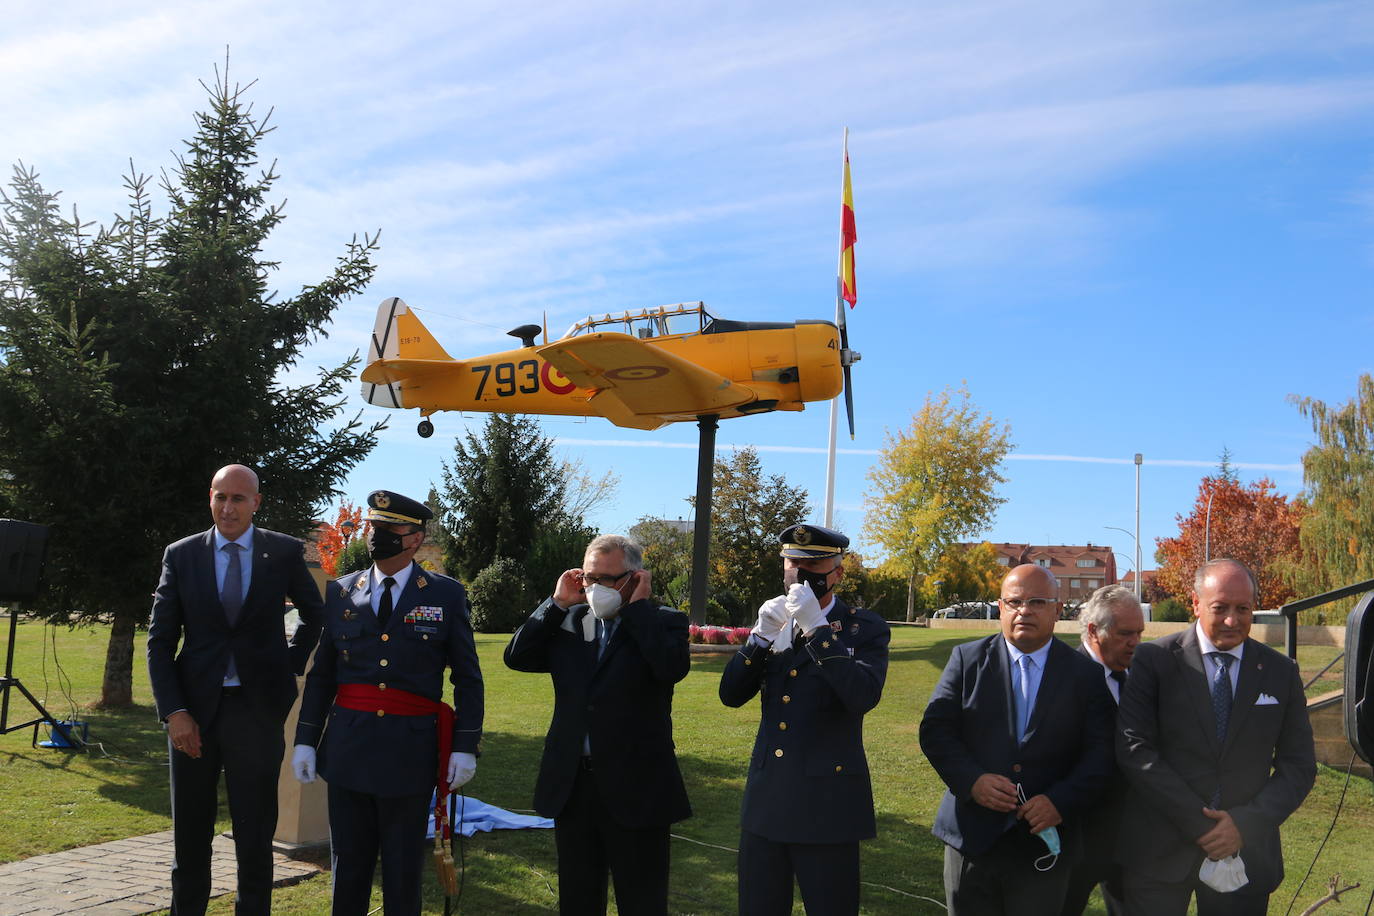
302	810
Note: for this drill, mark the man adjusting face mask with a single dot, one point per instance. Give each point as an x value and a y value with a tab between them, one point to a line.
819	581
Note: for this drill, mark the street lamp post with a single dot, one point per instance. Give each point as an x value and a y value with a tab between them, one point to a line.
1138	574
1137	556
1207	530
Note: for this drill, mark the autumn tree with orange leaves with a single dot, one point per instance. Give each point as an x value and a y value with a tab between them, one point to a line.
335	536
1252	523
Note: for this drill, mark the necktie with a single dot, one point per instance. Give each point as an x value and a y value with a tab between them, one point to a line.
607	628
1221	692
1023	697
231	595
384	606
1119	677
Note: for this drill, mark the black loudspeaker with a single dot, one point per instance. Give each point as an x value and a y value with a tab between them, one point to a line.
23	546
1359	706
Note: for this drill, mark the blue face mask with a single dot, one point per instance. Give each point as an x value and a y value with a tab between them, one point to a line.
1049	836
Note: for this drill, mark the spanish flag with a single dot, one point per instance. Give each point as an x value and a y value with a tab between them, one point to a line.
848	235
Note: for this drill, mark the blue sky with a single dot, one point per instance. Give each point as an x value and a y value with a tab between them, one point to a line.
1125	227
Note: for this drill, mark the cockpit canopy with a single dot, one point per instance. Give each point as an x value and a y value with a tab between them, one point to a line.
646	324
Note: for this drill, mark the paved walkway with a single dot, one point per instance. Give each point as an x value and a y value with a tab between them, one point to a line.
120	878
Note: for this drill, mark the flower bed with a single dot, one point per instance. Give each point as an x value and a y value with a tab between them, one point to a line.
718	636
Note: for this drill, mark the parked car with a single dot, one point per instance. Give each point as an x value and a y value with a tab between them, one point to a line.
969	610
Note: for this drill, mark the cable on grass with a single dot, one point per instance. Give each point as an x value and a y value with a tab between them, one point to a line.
1332	826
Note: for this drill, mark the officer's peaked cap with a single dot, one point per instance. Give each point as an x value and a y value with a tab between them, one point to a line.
811	541
386	506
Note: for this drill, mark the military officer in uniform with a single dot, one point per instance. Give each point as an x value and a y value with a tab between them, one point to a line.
819	666
373	705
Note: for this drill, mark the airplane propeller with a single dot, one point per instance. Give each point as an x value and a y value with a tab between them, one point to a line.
848	358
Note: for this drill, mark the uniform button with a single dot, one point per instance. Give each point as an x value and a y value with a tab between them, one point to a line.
778	752
786	698
425	636
792	673
383	663
748	661
782	726
381	686
380	713
386	636
1016	767
591	707
838	768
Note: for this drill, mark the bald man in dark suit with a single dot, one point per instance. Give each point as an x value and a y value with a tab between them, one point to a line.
226	693
1019	729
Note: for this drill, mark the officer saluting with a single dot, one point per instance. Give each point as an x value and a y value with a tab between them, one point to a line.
819	666
390	630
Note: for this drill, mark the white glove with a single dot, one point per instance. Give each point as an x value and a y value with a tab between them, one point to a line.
303	763
461	768
773	619
804	608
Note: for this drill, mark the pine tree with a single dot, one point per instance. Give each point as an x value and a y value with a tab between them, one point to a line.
138	358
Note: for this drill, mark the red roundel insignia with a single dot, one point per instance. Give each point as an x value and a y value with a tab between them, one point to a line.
548	374
636	373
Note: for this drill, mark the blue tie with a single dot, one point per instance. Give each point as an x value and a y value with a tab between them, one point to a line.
607	628
231	595
1023	697
1221	692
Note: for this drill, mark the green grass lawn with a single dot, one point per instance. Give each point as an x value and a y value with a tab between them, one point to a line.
55	799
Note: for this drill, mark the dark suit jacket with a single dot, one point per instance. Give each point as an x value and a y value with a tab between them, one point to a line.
1167	745
428	631
968	730
1103	819
186	608
624	703
810	742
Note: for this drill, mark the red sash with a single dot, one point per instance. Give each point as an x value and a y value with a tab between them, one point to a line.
371	698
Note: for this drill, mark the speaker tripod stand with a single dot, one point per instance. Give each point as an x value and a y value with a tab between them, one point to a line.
10	681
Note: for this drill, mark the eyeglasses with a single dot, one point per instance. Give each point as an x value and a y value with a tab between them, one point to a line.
607	579
1035	604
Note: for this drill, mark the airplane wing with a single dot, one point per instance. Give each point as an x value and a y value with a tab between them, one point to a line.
636	382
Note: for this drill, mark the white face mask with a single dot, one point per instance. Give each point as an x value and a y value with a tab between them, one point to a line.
604	600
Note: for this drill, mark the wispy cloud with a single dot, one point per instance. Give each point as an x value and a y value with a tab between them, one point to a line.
1014	456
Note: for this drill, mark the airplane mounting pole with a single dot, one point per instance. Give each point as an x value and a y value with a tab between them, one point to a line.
701	529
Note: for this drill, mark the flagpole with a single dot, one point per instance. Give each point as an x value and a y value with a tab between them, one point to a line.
839	322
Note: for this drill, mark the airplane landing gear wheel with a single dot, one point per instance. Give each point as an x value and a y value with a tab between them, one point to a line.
425	429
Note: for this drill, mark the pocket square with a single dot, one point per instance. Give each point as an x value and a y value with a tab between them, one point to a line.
1266	700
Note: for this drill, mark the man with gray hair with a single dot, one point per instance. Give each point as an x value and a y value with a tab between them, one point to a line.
1111	624
609	775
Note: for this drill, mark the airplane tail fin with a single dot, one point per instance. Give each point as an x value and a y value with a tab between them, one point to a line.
397	335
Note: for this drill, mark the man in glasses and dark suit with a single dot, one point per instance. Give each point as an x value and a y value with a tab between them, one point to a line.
609	775
1020	730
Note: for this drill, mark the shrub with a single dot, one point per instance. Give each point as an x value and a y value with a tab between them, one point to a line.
500	598
352	558
1170	610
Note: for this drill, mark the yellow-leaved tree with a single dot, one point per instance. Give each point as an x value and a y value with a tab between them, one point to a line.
934	484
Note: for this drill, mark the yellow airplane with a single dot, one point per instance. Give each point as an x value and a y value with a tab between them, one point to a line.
638	369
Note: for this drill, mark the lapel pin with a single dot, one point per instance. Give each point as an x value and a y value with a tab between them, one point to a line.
421	582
